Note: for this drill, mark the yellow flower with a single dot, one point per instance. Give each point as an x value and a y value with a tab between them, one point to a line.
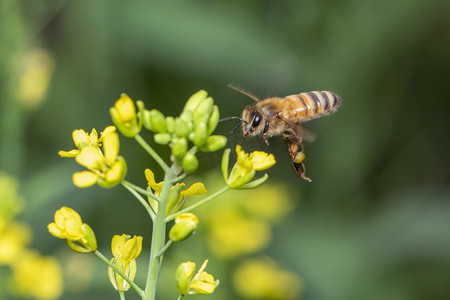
184	226
244	169
106	168
82	139
11	202
68	225
37	277
176	196
200	283
263	279
124	116
125	250
37	68
231	232
14	237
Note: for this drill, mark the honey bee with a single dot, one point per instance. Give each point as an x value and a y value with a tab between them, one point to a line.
282	116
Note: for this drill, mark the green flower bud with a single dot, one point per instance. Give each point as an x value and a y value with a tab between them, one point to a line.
180	147
174	199
124	116
213	120
214	143
200	134
183	275
155	121
203	111
170	124
190	163
162	138
181	127
185	225
194	101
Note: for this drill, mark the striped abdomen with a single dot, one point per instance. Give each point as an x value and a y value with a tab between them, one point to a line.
306	106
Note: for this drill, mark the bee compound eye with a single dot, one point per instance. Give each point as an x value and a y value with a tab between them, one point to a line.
256	119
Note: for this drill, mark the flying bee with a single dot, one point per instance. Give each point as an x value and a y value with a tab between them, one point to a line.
282	116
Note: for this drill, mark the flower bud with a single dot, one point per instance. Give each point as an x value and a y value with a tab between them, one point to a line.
214	143
190	163
162	138
115	174
184	226
203	111
179	147
155	121
170	124
181	128
200	134
194	101
124	116
213	119
183	275
174	198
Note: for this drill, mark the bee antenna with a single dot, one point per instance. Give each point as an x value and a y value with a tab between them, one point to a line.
234	118
231	118
237	126
248	94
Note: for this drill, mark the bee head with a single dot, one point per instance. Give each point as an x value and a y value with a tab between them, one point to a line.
253	121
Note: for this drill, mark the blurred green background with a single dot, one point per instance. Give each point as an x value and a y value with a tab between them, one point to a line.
375	221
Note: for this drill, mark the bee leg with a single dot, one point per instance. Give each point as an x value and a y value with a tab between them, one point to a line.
297	154
265	139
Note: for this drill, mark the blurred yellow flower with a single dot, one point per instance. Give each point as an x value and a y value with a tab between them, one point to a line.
11	203
14	237
37	69
68	225
231	233
200	283
38	277
264	279
125	250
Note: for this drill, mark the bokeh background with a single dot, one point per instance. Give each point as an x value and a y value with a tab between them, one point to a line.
375	221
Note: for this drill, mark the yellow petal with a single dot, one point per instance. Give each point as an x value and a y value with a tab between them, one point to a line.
80	138
111	147
71	153
84	179
262	160
196	189
125	109
157	187
117	243
106	131
91	157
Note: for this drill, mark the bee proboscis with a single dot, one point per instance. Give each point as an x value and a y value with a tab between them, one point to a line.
282	116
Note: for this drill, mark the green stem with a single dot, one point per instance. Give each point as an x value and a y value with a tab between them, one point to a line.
142	191
132	284
144	202
201	202
166	246
158	238
180	297
122	295
152	153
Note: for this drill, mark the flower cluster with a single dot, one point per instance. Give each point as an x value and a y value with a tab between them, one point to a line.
106	168
195	125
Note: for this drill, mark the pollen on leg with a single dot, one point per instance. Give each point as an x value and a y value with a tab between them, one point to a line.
299	157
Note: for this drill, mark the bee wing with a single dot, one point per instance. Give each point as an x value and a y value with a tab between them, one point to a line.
308	135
